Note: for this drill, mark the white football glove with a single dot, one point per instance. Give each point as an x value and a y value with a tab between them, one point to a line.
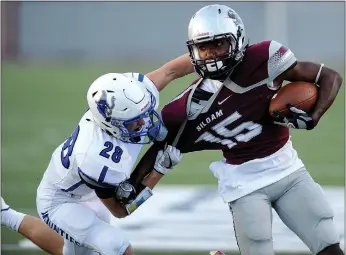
166	160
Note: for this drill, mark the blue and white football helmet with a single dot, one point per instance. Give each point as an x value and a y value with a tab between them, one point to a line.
116	100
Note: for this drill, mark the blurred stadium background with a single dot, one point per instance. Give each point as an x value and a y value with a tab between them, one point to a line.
52	51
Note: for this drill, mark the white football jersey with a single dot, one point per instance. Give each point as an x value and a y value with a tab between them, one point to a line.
102	159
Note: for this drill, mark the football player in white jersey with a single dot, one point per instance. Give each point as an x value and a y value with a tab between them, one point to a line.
32	228
88	174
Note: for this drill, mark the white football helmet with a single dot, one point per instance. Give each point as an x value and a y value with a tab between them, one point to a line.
116	101
214	22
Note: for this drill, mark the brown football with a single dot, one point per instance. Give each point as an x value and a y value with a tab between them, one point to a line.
302	95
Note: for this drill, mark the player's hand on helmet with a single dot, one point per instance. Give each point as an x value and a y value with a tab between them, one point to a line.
299	119
167	159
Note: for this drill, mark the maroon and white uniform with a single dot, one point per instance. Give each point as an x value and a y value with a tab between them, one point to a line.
236	120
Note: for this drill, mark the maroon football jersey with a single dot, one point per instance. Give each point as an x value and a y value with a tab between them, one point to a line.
235	119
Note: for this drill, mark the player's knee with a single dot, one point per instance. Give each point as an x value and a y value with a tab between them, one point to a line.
255	241
256	233
109	243
258	246
328	239
260	238
333	249
115	249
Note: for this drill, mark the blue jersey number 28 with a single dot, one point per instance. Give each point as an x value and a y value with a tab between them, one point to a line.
116	155
67	148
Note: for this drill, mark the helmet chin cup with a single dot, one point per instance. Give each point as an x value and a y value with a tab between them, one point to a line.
214	66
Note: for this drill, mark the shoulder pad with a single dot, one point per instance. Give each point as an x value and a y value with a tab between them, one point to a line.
280	59
263	63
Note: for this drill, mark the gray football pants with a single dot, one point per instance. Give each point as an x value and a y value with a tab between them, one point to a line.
301	205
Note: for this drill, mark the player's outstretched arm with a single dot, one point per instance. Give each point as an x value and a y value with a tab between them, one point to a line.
145	165
32	228
125	198
328	80
171	71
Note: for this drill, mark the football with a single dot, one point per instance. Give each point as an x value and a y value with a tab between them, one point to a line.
302	95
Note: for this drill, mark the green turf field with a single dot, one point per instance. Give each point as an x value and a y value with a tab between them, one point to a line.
42	104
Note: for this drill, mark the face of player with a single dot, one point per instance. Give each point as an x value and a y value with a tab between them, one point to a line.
136	125
214	49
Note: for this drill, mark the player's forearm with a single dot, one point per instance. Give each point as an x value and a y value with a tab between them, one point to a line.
171	71
165	161
330	83
144	166
147	184
115	207
152	179
179	67
40	234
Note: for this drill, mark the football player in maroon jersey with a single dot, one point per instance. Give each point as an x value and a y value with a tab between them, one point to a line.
227	110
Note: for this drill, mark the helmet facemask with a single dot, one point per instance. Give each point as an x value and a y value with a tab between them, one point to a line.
220	67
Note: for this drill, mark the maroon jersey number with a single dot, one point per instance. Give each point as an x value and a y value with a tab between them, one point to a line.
242	133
